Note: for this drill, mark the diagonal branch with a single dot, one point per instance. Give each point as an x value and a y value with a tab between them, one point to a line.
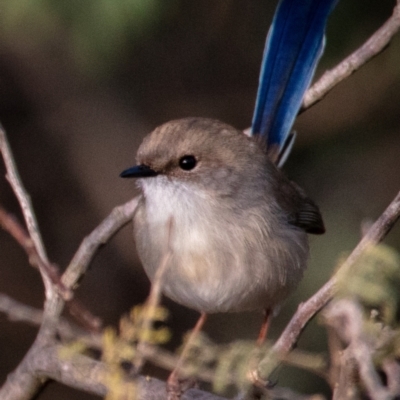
372	47
11	225
26	206
119	217
307	310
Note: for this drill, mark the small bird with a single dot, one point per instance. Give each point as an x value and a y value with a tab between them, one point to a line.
235	227
239	237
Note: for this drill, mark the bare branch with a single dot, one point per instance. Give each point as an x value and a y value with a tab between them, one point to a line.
17	311
26	206
119	217
24	382
372	47
12	226
308	309
83	373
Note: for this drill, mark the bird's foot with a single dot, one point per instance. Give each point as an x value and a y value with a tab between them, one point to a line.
176	387
256	380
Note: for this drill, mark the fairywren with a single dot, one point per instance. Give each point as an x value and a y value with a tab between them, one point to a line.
239	237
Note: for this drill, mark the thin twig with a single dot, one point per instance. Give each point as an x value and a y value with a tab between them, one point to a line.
308	309
19	312
17	231
119	217
372	47
23	383
26	206
12	226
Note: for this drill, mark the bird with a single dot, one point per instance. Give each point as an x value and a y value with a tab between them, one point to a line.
239	239
238	226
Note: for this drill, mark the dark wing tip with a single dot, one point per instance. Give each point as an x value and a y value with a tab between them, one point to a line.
309	218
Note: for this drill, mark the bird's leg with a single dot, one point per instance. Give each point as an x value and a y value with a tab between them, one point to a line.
173	385
253	372
264	327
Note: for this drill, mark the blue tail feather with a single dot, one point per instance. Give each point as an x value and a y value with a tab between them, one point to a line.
293	48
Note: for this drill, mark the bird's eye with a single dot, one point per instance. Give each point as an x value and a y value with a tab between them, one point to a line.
187	162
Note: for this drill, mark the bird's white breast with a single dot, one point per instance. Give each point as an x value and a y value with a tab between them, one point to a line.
215	266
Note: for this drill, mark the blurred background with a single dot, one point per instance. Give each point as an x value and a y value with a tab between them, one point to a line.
81	83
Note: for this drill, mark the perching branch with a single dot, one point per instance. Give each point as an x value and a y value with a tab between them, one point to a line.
307	310
79	371
69	332
83	373
372	47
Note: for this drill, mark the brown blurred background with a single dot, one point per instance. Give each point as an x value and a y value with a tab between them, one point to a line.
81	82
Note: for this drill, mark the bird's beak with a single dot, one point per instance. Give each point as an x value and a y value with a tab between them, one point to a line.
138	171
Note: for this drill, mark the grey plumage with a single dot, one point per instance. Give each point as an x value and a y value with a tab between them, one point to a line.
239	237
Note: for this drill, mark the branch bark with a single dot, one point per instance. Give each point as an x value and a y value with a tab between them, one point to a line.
371	48
118	218
24	201
307	310
82	373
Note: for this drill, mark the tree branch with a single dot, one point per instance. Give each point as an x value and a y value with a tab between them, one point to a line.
307	310
372	47
83	373
11	225
119	217
26	207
